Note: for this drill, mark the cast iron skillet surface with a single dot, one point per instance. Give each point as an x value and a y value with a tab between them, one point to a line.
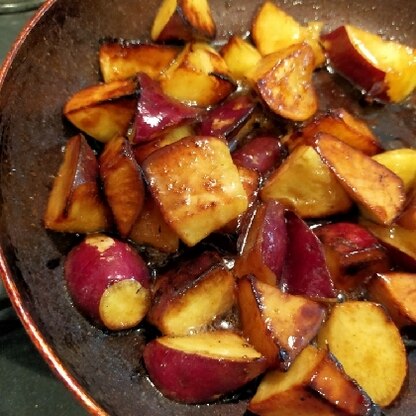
56	56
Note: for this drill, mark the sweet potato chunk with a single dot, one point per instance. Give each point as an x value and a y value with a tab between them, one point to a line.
123	183
407	218
402	162
263	244
345	127
400	242
198	76
196	185
376	189
227	118
305	271
352	254
273	29
151	229
157	112
103	111
187	306
283	80
261	153
277	324
288	393
121	60
369	347
396	291
305	184
183	20
385	70
240	56
108	281
201	368
332	383
172	135
75	203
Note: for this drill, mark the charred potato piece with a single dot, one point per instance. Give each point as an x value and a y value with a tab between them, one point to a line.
277	324
183	20
122	60
198	76
283	80
103	111
377	190
123	183
75	203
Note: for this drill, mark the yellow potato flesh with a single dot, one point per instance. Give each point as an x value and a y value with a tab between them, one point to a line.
369	347
304	183
213	344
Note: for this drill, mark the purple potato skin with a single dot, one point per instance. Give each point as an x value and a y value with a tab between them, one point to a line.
157	112
195	378
90	269
274	237
227	118
305	271
262	153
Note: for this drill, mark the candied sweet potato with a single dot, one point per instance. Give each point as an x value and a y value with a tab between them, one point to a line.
203	367
377	190
283	79
198	76
75	203
305	271
196	185
288	393
157	112
123	183
384	69
190	305
108	281
305	184
368	345
277	324
352	254
103	111
121	60
240	56
396	291
273	29
263	244
183	20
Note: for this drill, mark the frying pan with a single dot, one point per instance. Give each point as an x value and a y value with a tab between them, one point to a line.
55	56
